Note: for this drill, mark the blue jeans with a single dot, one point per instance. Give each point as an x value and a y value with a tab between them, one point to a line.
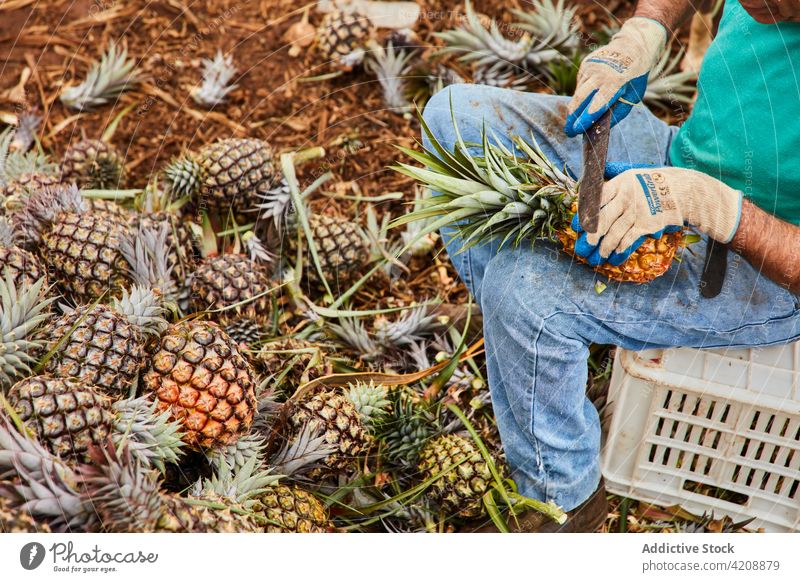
541	311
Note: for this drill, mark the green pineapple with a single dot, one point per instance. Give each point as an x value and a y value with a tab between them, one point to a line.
237	292
67	415
224	177
23	266
80	248
464	475
342	38
93	164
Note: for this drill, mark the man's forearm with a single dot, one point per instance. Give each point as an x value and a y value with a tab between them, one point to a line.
771	245
670	13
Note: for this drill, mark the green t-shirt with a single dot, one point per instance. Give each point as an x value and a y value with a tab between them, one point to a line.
745	127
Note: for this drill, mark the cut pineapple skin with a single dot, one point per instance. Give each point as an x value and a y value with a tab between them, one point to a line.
651	260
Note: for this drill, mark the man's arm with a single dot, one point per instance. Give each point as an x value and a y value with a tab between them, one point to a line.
771	245
670	13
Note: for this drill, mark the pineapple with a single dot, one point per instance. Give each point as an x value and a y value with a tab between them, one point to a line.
240	287
465	475
199	375
24	266
342	38
404	430
23	310
93	164
106	81
105	345
224	177
21	173
280	507
289	508
334	417
217	74
513	197
342	249
67	415
80	248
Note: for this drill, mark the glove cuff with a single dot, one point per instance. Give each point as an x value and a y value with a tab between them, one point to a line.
648	34
717	214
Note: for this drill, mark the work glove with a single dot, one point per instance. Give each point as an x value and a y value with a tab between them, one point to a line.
645	201
616	75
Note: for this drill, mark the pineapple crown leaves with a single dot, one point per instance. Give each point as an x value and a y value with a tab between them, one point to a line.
354	334
22	312
40	483
146	252
151	436
256	250
503	195
184	176
275	203
390	66
106	80
302	454
419	245
370	400
123	493
486	47
552	23
237	484
144	308
235	456
413	325
217	74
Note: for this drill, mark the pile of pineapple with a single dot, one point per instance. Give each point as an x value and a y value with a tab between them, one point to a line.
165	364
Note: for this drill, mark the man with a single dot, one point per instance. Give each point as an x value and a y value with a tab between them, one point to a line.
732	171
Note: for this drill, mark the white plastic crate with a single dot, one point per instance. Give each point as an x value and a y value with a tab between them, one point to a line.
708	430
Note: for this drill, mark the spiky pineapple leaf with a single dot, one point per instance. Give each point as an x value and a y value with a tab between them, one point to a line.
106	80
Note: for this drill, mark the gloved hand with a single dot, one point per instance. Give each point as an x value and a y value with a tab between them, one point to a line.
650	201
616	75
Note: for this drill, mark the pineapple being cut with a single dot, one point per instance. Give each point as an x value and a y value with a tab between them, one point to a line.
513	197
